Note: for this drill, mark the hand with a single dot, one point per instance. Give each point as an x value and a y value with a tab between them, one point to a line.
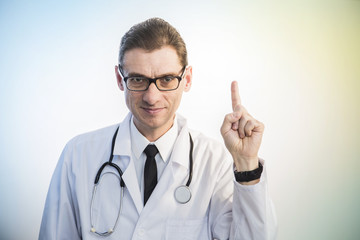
242	134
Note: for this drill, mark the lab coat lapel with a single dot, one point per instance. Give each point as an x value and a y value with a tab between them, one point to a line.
131	183
123	149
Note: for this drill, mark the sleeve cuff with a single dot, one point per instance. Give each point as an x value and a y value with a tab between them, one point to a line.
255	187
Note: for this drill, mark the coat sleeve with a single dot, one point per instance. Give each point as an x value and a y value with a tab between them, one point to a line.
239	212
59	219
253	211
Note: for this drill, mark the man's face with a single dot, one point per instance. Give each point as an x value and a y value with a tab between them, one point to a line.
153	110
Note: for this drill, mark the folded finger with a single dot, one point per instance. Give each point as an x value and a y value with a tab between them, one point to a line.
249	127
230	122
242	124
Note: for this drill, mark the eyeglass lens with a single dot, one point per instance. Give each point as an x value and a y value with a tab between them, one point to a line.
142	83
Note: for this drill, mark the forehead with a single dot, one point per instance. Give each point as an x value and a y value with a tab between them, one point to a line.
151	63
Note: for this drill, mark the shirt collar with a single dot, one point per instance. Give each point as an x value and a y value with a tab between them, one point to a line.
164	144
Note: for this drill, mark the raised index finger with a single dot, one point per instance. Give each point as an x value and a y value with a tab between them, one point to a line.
235	97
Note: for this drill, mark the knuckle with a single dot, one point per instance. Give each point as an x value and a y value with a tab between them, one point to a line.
260	124
229	116
238	107
253	122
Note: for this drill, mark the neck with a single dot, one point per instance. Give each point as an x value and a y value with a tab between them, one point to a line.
153	134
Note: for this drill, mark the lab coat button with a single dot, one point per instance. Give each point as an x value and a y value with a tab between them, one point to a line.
141	232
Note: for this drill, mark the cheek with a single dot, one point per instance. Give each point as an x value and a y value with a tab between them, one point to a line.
176	100
130	99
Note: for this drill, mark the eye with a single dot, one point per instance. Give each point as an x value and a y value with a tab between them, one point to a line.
167	79
136	79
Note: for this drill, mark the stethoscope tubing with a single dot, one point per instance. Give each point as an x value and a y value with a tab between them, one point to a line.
191	161
185	193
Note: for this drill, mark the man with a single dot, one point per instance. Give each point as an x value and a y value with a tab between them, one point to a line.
175	183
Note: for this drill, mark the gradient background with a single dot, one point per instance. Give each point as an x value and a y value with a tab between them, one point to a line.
297	63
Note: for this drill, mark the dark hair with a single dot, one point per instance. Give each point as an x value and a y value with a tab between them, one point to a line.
150	35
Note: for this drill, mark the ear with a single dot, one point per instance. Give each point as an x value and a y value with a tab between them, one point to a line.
119	78
188	79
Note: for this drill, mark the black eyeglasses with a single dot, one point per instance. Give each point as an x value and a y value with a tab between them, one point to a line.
140	83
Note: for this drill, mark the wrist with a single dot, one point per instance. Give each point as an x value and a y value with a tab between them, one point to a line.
249	177
246	164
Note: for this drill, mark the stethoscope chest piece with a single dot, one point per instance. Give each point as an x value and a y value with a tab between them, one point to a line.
182	194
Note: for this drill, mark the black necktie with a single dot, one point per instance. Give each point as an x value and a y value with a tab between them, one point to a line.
150	171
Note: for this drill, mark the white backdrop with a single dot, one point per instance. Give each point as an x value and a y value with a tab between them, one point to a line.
298	69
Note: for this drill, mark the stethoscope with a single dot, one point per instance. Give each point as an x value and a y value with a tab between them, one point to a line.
182	193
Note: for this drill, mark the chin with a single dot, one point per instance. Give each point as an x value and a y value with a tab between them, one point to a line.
155	123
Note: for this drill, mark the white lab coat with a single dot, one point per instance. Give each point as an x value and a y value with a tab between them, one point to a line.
220	208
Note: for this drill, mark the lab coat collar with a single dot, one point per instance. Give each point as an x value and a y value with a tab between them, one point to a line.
180	153
123	141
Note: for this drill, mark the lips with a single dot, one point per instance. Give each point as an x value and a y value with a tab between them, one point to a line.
152	110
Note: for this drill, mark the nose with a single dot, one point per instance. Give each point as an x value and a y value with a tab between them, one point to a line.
152	94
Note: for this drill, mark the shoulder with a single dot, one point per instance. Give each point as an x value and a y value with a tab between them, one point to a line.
204	146
212	149
87	147
93	137
97	137
206	142
212	161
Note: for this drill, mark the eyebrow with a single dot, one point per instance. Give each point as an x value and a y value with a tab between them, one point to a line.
135	74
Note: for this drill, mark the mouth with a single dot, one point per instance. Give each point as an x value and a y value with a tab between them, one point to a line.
152	111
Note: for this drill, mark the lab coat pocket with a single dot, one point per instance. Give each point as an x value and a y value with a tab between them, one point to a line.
186	229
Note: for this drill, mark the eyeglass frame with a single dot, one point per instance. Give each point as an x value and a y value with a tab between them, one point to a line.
153	80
